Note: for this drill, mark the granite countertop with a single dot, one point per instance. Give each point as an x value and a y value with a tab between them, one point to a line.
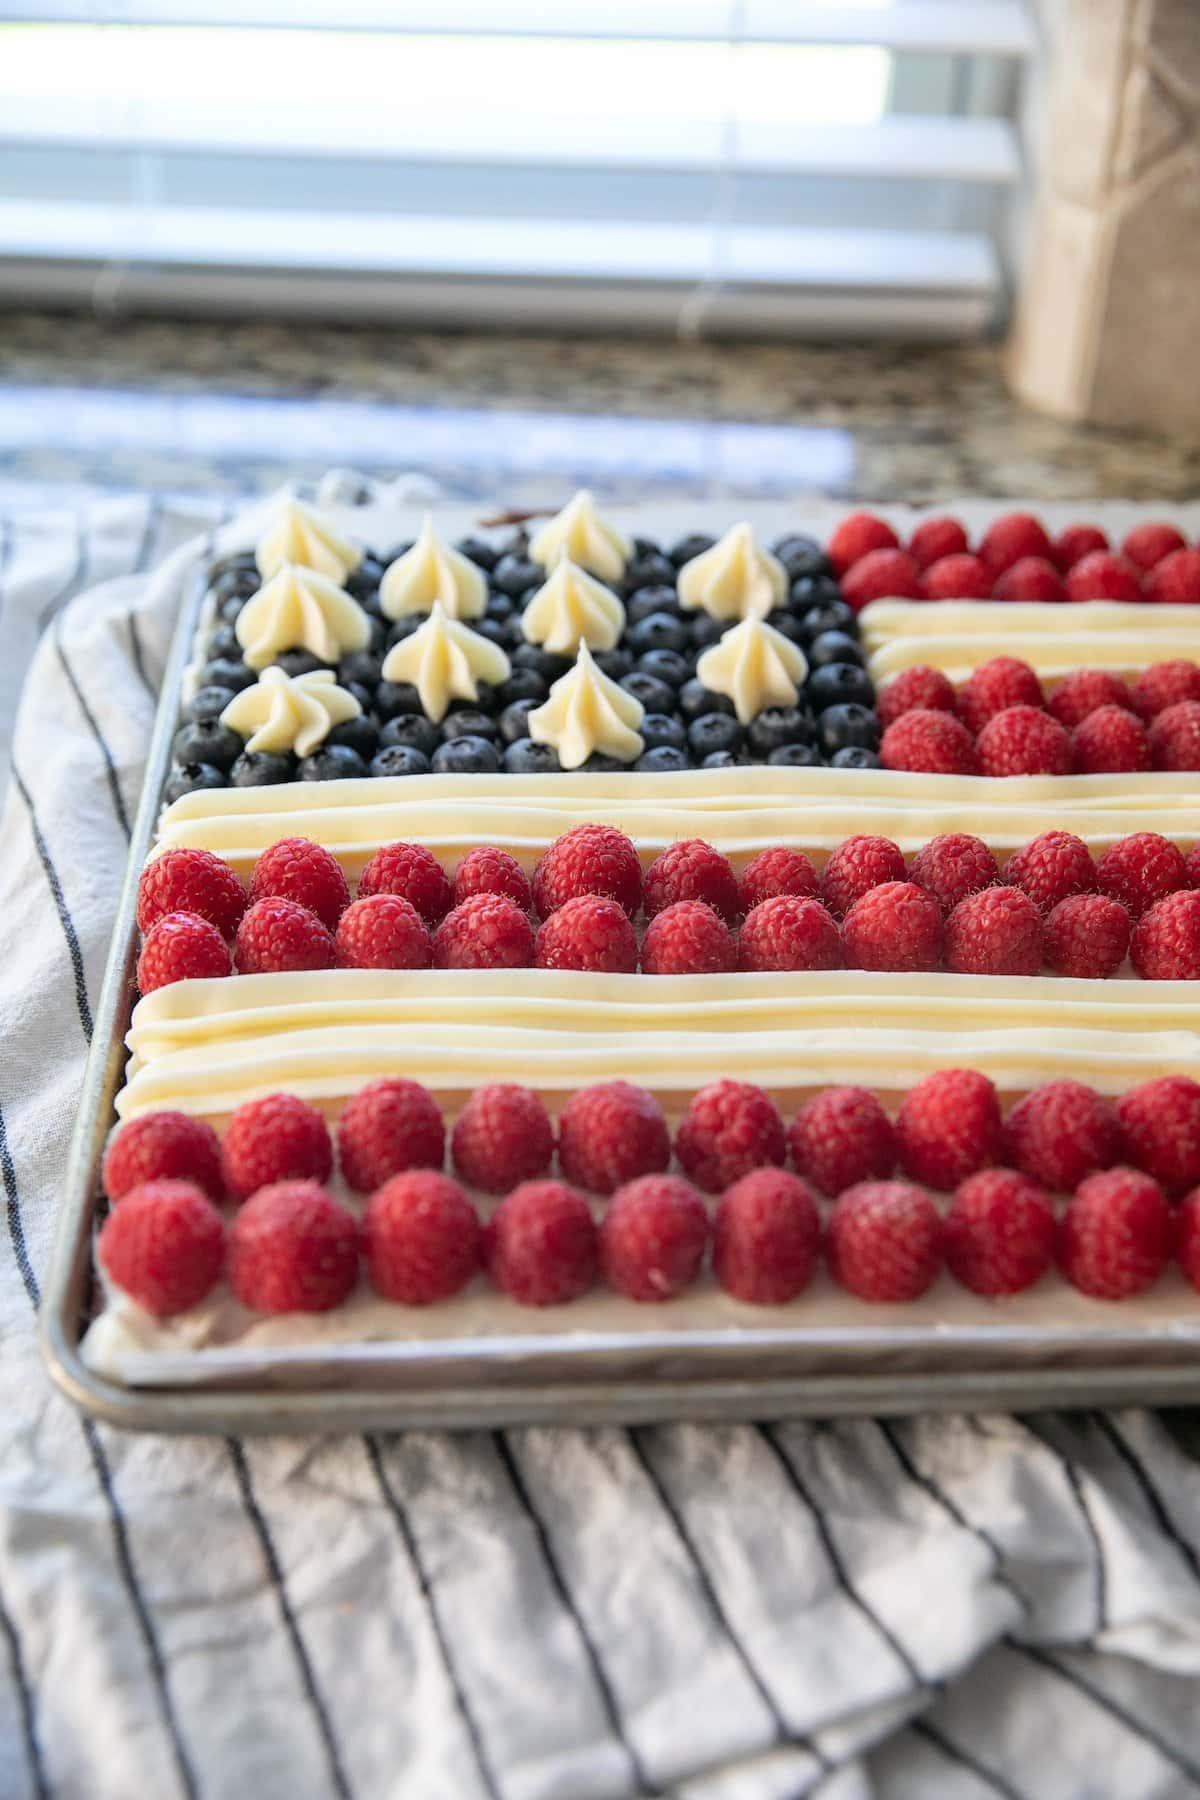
89	403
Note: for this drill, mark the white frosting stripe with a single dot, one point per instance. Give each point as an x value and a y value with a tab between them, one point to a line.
957	635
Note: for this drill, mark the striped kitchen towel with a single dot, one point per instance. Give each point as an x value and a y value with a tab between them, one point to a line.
962	1606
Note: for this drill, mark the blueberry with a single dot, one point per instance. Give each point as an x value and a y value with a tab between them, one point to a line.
600	763
837	684
207	741
300	662
466	756
647	601
522	684
835	647
695	700
498	630
361	734
332	762
261	768
648	571
395	697
834	615
795	756
237	559
365	579
788	626
500	606
226	673
516	544
644	546
544	662
668	666
378	635
236	584
686	548
714	731
706	631
190	778
514	574
230	610
849	727
400	759
466	721
810	591
527	758
654	695
777	726
616	664
662	759
478	551
855	757
404	628
514	720
224	643
721	759
660	728
207	703
801	557
412	731
360	667
364	695
659	631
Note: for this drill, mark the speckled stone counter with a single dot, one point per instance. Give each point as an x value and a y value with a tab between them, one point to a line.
229	408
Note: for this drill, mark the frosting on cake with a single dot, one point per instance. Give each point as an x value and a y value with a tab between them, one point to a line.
284	712
299	609
445	660
580	533
734	579
587	711
1055	640
755	666
570	609
432	573
300	534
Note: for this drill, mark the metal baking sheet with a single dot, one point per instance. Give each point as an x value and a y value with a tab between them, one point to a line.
565	1376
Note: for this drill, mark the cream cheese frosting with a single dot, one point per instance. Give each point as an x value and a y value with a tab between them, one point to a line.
754	666
299	534
587	711
300	609
572	608
430	573
284	712
734	579
445	660
955	636
582	534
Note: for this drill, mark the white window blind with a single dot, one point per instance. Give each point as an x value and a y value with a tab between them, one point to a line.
691	165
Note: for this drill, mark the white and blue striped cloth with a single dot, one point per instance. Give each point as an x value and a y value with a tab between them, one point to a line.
954	1607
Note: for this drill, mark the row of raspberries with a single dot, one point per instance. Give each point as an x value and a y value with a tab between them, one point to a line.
292	1247
1000	721
1016	559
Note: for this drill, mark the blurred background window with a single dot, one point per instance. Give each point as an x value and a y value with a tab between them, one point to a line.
845	167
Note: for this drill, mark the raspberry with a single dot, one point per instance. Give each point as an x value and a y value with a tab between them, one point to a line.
610	1134
1141	869
952	866
1060	1132
412	872
1176	580
688	939
993	687
1191	863
855	867
843	1136
881	575
293	1248
1024	741
1051	867
1076	542
1033	578
485	931
382	932
181	947
1084	693
948	1126
653	1238
278	935
1011	537
1187	1236
1103	576
788	932
1146	545
1160	1122
295	869
390	1125
929	743
163	1246
1113	741
1175	737
918	687
691	870
856	537
774	872
541	1246
591	859
1166	940
1086	935
589	933
935	539
729	1129
163	1146
276	1138
487	870
957	578
884	1241
999	1233
897	926
421	1238
190	881
1163	685
1115	1235
995	932
503	1136
766	1238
